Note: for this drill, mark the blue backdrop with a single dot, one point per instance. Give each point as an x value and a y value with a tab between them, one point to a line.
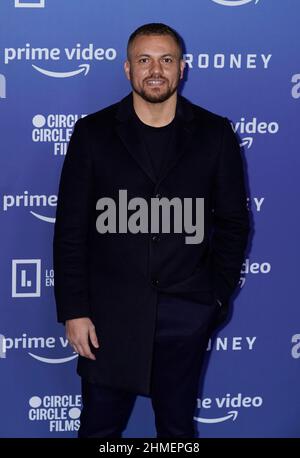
63	59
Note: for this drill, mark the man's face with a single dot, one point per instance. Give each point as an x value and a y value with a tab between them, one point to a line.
154	67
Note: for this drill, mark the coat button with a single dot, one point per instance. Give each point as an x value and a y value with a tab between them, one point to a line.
219	302
155	282
155	238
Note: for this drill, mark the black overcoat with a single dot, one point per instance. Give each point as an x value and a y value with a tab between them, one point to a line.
114	278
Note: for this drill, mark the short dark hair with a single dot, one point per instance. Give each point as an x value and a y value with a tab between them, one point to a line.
155	28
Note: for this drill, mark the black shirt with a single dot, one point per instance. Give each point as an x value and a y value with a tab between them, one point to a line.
156	141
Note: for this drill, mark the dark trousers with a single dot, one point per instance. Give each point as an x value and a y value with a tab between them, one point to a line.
182	333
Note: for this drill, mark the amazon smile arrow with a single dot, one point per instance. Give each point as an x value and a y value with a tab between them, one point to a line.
83	68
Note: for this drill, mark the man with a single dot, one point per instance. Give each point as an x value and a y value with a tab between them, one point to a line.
140	305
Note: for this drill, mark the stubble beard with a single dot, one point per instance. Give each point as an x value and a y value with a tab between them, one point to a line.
155	97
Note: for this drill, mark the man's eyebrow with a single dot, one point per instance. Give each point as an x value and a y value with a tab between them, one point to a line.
149	55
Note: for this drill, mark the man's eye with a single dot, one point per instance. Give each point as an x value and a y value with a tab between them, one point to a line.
168	60
143	60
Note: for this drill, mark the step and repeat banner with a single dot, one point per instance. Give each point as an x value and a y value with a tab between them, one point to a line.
63	59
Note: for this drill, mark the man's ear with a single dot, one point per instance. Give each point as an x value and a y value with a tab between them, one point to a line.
182	66
127	69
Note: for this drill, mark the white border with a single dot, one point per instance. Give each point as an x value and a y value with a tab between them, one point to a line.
15	262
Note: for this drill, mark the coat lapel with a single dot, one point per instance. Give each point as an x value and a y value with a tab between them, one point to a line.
180	141
128	132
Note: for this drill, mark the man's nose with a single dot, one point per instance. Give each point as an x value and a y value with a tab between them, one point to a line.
156	67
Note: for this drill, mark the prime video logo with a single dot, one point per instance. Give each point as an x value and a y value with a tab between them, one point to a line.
34	345
234	2
234	403
30	200
78	53
252	127
160	215
2	87
25	4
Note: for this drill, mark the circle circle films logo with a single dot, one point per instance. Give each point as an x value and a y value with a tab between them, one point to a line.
35	402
